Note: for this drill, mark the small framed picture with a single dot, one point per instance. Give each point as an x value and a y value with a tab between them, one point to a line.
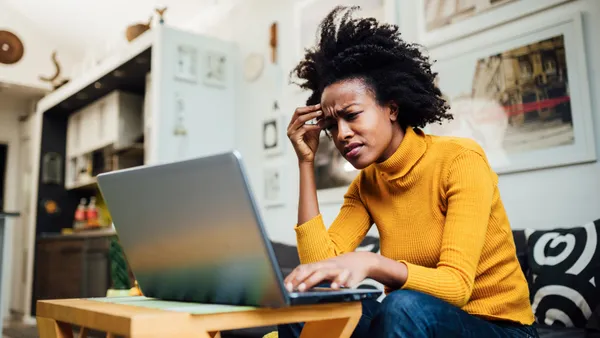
216	69
187	57
273	135
273	186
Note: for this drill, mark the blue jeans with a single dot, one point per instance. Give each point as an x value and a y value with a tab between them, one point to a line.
405	313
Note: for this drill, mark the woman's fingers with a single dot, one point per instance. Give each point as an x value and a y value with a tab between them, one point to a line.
308	109
341	280
302	272
307	276
301	120
319	276
303	110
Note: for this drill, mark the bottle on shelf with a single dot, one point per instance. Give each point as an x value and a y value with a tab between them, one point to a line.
93	220
80	215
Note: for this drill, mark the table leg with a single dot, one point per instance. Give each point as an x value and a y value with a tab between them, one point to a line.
50	328
330	328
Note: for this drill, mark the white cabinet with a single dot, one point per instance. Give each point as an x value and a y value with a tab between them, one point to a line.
174	115
105	127
114	120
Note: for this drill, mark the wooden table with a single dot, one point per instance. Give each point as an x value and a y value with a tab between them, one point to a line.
141	317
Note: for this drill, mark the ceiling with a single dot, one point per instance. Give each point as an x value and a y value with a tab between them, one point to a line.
92	26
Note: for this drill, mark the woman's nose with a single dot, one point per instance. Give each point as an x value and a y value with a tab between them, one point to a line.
344	131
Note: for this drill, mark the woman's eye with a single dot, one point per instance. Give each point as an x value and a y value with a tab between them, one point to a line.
352	116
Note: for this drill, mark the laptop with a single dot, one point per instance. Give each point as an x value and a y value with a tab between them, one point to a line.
191	231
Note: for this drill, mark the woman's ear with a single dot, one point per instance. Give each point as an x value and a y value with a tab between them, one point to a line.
393	111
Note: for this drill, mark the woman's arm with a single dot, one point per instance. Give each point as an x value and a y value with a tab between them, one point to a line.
315	241
308	205
470	187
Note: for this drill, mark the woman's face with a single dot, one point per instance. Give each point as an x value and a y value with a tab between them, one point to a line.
363	131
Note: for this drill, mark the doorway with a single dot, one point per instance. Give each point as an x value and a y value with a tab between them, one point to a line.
3	159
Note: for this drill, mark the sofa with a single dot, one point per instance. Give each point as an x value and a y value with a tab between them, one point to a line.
287	258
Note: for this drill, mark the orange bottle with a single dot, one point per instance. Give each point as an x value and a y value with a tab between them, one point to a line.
92	214
80	215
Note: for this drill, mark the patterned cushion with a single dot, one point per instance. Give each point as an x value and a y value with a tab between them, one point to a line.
565	267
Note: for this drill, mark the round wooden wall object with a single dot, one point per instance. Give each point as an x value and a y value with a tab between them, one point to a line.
11	48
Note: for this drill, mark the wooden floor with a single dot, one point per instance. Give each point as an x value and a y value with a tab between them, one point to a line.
23	331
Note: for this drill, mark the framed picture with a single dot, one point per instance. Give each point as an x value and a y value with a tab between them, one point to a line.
273	135
310	13
216	69
442	21
332	172
273	186
522	92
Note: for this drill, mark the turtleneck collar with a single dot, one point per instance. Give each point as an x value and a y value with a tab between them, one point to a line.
411	149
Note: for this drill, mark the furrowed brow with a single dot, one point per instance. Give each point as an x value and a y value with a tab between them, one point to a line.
344	110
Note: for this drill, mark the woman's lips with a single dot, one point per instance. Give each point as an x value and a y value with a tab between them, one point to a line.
353	153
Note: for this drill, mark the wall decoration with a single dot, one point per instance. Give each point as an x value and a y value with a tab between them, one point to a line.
521	92
55	80
253	66
11	48
442	21
273	42
216	66
187	64
274	135
161	14
135	30
52	164
179	129
51	207
273	186
276	85
440	13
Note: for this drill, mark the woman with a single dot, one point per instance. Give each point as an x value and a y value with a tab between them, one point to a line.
447	258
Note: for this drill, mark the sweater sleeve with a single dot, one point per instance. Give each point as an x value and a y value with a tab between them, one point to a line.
469	188
316	243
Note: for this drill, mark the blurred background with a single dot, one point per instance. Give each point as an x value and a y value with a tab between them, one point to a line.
91	87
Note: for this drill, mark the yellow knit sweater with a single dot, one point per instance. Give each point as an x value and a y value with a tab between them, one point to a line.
437	208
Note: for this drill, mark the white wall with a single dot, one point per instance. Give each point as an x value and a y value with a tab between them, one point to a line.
10	110
38	50
541	199
248	25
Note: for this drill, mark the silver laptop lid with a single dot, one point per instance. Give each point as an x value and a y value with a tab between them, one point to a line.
191	232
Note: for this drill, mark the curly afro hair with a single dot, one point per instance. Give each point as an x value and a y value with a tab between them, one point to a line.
365	49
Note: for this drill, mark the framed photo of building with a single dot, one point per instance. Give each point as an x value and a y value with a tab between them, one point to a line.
442	21
522	92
